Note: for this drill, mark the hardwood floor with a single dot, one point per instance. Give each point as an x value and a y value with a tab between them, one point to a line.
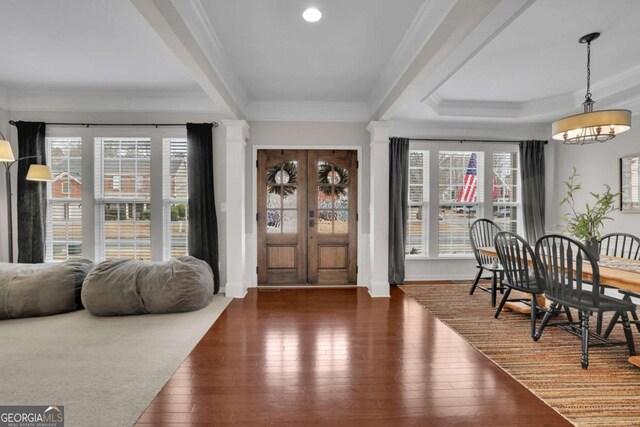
338	357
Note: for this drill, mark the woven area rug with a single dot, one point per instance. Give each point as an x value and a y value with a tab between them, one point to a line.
606	394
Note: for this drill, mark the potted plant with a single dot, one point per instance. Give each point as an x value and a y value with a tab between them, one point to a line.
586	225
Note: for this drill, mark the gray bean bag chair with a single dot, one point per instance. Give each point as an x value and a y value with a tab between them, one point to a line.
122	287
28	290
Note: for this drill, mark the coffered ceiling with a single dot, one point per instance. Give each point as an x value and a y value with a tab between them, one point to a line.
477	61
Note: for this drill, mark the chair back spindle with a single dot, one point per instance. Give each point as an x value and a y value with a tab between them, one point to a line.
482	233
620	245
519	262
562	263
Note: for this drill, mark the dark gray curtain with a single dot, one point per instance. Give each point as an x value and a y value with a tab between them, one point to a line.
203	222
398	206
533	191
32	198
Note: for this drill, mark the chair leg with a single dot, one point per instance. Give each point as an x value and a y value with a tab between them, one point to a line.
585	338
634	314
627	333
494	289
612	324
545	320
475	282
599	323
534	314
501	282
567	311
502	302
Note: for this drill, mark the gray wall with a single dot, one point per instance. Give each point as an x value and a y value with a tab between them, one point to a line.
597	164
462	268
118	117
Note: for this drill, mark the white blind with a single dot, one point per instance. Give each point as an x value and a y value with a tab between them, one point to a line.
418	219
123	195
506	192
176	197
460	194
64	199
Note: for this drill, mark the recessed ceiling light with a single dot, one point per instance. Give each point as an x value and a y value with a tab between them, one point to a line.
312	15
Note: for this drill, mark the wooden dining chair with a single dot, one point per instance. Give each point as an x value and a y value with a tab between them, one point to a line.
482	233
563	262
521	272
620	245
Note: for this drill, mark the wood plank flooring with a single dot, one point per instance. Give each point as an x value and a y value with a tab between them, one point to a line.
337	357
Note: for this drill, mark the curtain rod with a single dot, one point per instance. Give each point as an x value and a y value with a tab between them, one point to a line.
470	140
215	125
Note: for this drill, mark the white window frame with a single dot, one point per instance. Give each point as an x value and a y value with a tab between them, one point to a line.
168	200
485	206
425	204
49	240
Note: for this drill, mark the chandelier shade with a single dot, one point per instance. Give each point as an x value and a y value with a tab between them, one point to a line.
590	127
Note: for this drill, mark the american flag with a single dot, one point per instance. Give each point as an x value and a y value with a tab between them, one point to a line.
468	192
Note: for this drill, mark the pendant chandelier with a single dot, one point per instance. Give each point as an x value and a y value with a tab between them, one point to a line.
591	126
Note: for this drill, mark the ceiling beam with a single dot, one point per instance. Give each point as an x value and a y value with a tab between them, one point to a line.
468	27
165	19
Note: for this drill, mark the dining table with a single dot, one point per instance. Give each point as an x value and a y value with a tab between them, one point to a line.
617	273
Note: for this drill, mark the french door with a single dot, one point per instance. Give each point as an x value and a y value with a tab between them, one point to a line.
307	217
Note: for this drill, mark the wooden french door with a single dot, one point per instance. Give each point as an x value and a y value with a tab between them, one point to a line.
307	217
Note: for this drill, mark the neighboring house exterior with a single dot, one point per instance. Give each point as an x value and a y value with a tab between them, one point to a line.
66	186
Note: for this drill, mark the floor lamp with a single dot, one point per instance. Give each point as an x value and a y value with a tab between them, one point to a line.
36	173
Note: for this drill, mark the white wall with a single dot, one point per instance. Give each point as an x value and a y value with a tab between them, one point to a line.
465	268
598	164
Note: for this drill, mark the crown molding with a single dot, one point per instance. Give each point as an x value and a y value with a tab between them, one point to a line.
308	111
467	129
620	91
111	101
197	19
426	21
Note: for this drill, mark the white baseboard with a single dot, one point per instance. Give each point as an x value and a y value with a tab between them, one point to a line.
235	290
379	290
439	277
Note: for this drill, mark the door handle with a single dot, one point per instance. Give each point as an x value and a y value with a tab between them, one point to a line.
311	223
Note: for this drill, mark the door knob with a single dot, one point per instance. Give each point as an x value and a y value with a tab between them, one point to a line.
311	223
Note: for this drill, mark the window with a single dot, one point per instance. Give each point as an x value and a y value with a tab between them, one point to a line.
440	228
460	188
123	198
417	230
505	190
176	197
64	199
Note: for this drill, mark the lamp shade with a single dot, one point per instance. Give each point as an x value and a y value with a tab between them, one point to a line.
39	173
593	126
6	154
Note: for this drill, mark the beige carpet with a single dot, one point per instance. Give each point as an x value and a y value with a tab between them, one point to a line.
104	370
607	394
